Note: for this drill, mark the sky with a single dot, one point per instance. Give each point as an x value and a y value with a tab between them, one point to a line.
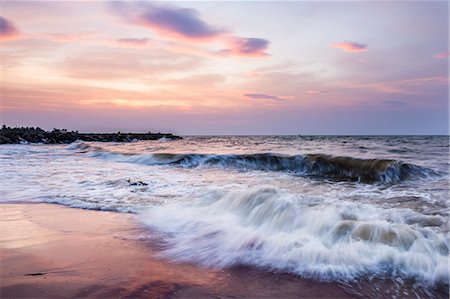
226	68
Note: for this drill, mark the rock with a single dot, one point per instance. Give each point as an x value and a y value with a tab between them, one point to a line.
138	183
37	135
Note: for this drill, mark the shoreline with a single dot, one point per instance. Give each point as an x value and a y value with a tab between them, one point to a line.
54	251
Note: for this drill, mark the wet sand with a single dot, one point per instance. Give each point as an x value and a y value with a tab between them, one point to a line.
50	251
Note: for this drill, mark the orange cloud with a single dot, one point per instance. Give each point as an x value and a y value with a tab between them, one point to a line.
351	47
7	30
120	64
87	38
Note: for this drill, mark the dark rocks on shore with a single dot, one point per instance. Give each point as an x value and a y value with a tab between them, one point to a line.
37	135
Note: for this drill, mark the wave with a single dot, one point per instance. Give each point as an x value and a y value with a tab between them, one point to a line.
316	165
266	227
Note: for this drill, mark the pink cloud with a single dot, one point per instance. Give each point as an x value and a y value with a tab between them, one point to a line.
69	37
407	86
131	42
442	55
318	92
425	80
351	47
7	30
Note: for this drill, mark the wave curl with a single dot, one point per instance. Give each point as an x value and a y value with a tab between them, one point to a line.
315	165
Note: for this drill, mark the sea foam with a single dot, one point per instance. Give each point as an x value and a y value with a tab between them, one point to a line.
266	227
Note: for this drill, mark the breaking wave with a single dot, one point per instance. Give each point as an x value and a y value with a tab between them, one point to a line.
316	165
266	227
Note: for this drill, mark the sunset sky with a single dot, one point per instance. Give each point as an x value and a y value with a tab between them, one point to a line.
226	68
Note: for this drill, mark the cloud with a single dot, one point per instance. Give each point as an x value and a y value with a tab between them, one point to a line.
247	46
179	21
89	38
131	42
204	80
425	81
183	24
168	21
442	55
7	30
318	92
351	47
264	96
143	66
395	103
413	86
69	37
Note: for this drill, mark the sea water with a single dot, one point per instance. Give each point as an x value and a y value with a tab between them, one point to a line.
331	208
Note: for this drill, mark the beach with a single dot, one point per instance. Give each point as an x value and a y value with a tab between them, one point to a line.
51	251
224	149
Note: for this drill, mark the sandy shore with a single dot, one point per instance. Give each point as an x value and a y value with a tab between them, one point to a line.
50	251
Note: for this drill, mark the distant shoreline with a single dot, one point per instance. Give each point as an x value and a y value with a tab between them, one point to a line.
61	136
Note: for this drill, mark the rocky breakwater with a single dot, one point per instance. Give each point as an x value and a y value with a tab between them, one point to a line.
57	136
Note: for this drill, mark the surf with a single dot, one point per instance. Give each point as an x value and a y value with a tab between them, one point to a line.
266	227
338	168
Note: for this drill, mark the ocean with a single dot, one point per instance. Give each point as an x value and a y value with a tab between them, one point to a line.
361	211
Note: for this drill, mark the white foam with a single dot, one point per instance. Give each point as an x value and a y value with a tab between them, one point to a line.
266	227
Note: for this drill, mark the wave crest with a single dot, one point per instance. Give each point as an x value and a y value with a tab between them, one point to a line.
315	165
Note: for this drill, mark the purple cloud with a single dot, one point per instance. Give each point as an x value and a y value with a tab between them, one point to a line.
7	30
262	96
395	103
248	46
172	21
181	21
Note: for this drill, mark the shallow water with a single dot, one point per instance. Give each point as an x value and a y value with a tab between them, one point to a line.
331	208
